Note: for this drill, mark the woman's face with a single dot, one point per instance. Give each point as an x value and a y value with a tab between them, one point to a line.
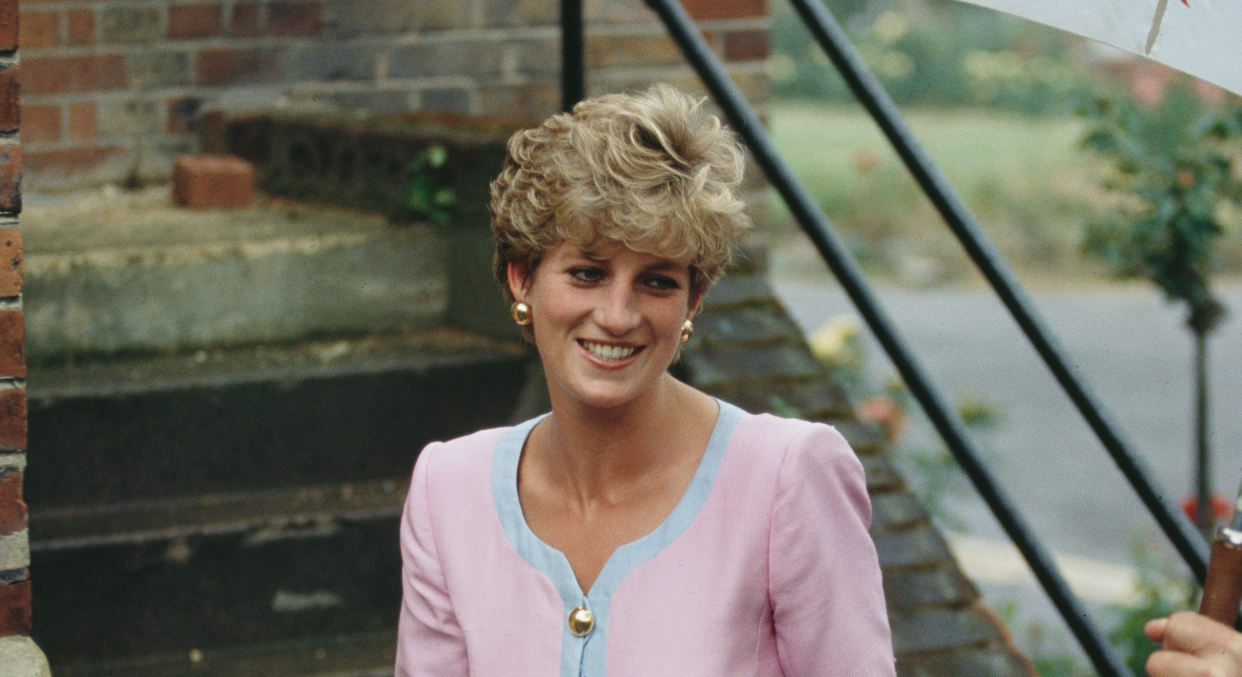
607	323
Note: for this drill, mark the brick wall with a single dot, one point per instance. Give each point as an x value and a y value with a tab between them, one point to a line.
114	89
16	650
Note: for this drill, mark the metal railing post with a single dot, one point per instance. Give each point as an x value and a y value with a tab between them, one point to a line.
573	66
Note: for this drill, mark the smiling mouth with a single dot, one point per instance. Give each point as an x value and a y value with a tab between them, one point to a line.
609	352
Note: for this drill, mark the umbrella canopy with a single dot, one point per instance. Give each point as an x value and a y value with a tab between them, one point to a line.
1201	37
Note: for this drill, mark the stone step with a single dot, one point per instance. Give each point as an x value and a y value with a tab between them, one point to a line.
358	655
114	273
214	592
233	503
224	408
260	418
262	516
296	582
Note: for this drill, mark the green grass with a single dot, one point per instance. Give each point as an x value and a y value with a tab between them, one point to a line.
1023	177
970	147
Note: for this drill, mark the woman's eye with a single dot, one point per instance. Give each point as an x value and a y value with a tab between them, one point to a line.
587	274
663	283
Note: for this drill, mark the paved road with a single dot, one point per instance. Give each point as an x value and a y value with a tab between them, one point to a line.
1133	350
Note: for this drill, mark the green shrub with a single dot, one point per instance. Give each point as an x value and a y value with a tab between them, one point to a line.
946	54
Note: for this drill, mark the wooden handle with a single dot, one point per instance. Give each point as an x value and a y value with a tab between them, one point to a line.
1222	591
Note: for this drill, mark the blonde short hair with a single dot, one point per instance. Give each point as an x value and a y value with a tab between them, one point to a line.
652	171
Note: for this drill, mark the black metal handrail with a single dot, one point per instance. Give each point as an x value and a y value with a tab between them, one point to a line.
872	95
573	65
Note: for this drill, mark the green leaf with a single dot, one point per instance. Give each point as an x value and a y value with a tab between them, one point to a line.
436	156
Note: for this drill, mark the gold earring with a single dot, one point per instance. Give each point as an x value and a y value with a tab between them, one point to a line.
520	311
687	330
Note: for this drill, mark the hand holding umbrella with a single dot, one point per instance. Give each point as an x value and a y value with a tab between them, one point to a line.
1222	591
1205	643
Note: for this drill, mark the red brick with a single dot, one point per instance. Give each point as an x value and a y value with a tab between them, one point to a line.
12	508
245	20
10	277
746	45
193	21
213	181
82	121
10	25
40	123
12	343
10	184
81	27
238	66
10	97
15	607
39	29
13	420
93	73
70	161
293	18
725	9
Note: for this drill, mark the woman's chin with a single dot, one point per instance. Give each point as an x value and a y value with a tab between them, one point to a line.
610	394
604	398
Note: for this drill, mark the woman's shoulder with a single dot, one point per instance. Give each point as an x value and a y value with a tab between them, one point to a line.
808	463
456	475
466	454
479	439
790	450
786	436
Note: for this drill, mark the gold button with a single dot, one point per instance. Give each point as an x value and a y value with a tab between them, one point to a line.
581	621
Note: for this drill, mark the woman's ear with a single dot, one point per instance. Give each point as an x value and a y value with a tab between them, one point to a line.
695	305
519	279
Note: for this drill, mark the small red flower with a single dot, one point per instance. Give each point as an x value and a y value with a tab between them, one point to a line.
1219	506
886	412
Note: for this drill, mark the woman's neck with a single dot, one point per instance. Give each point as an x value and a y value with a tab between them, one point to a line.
603	453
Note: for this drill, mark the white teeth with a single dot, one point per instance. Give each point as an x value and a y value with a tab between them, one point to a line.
608	352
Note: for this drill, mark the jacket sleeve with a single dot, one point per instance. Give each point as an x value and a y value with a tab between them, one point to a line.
824	575
429	638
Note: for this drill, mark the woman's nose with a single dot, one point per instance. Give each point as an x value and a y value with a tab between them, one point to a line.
618	311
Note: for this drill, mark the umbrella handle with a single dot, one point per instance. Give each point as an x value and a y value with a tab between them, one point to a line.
1222	590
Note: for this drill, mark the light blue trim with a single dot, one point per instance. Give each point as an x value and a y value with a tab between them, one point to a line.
586	656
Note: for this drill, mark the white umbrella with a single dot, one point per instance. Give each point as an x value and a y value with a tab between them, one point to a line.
1201	37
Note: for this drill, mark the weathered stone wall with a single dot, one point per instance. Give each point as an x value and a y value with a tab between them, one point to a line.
18	655
115	89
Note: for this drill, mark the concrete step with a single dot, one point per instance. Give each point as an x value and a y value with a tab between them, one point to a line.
164	583
116	272
233	503
224	408
260	418
358	655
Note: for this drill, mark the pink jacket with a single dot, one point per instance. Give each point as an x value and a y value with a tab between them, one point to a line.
764	568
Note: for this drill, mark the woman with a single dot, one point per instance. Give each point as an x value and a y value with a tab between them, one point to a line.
642	527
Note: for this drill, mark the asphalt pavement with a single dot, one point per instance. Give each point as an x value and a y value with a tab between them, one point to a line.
1136	356
1134	353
